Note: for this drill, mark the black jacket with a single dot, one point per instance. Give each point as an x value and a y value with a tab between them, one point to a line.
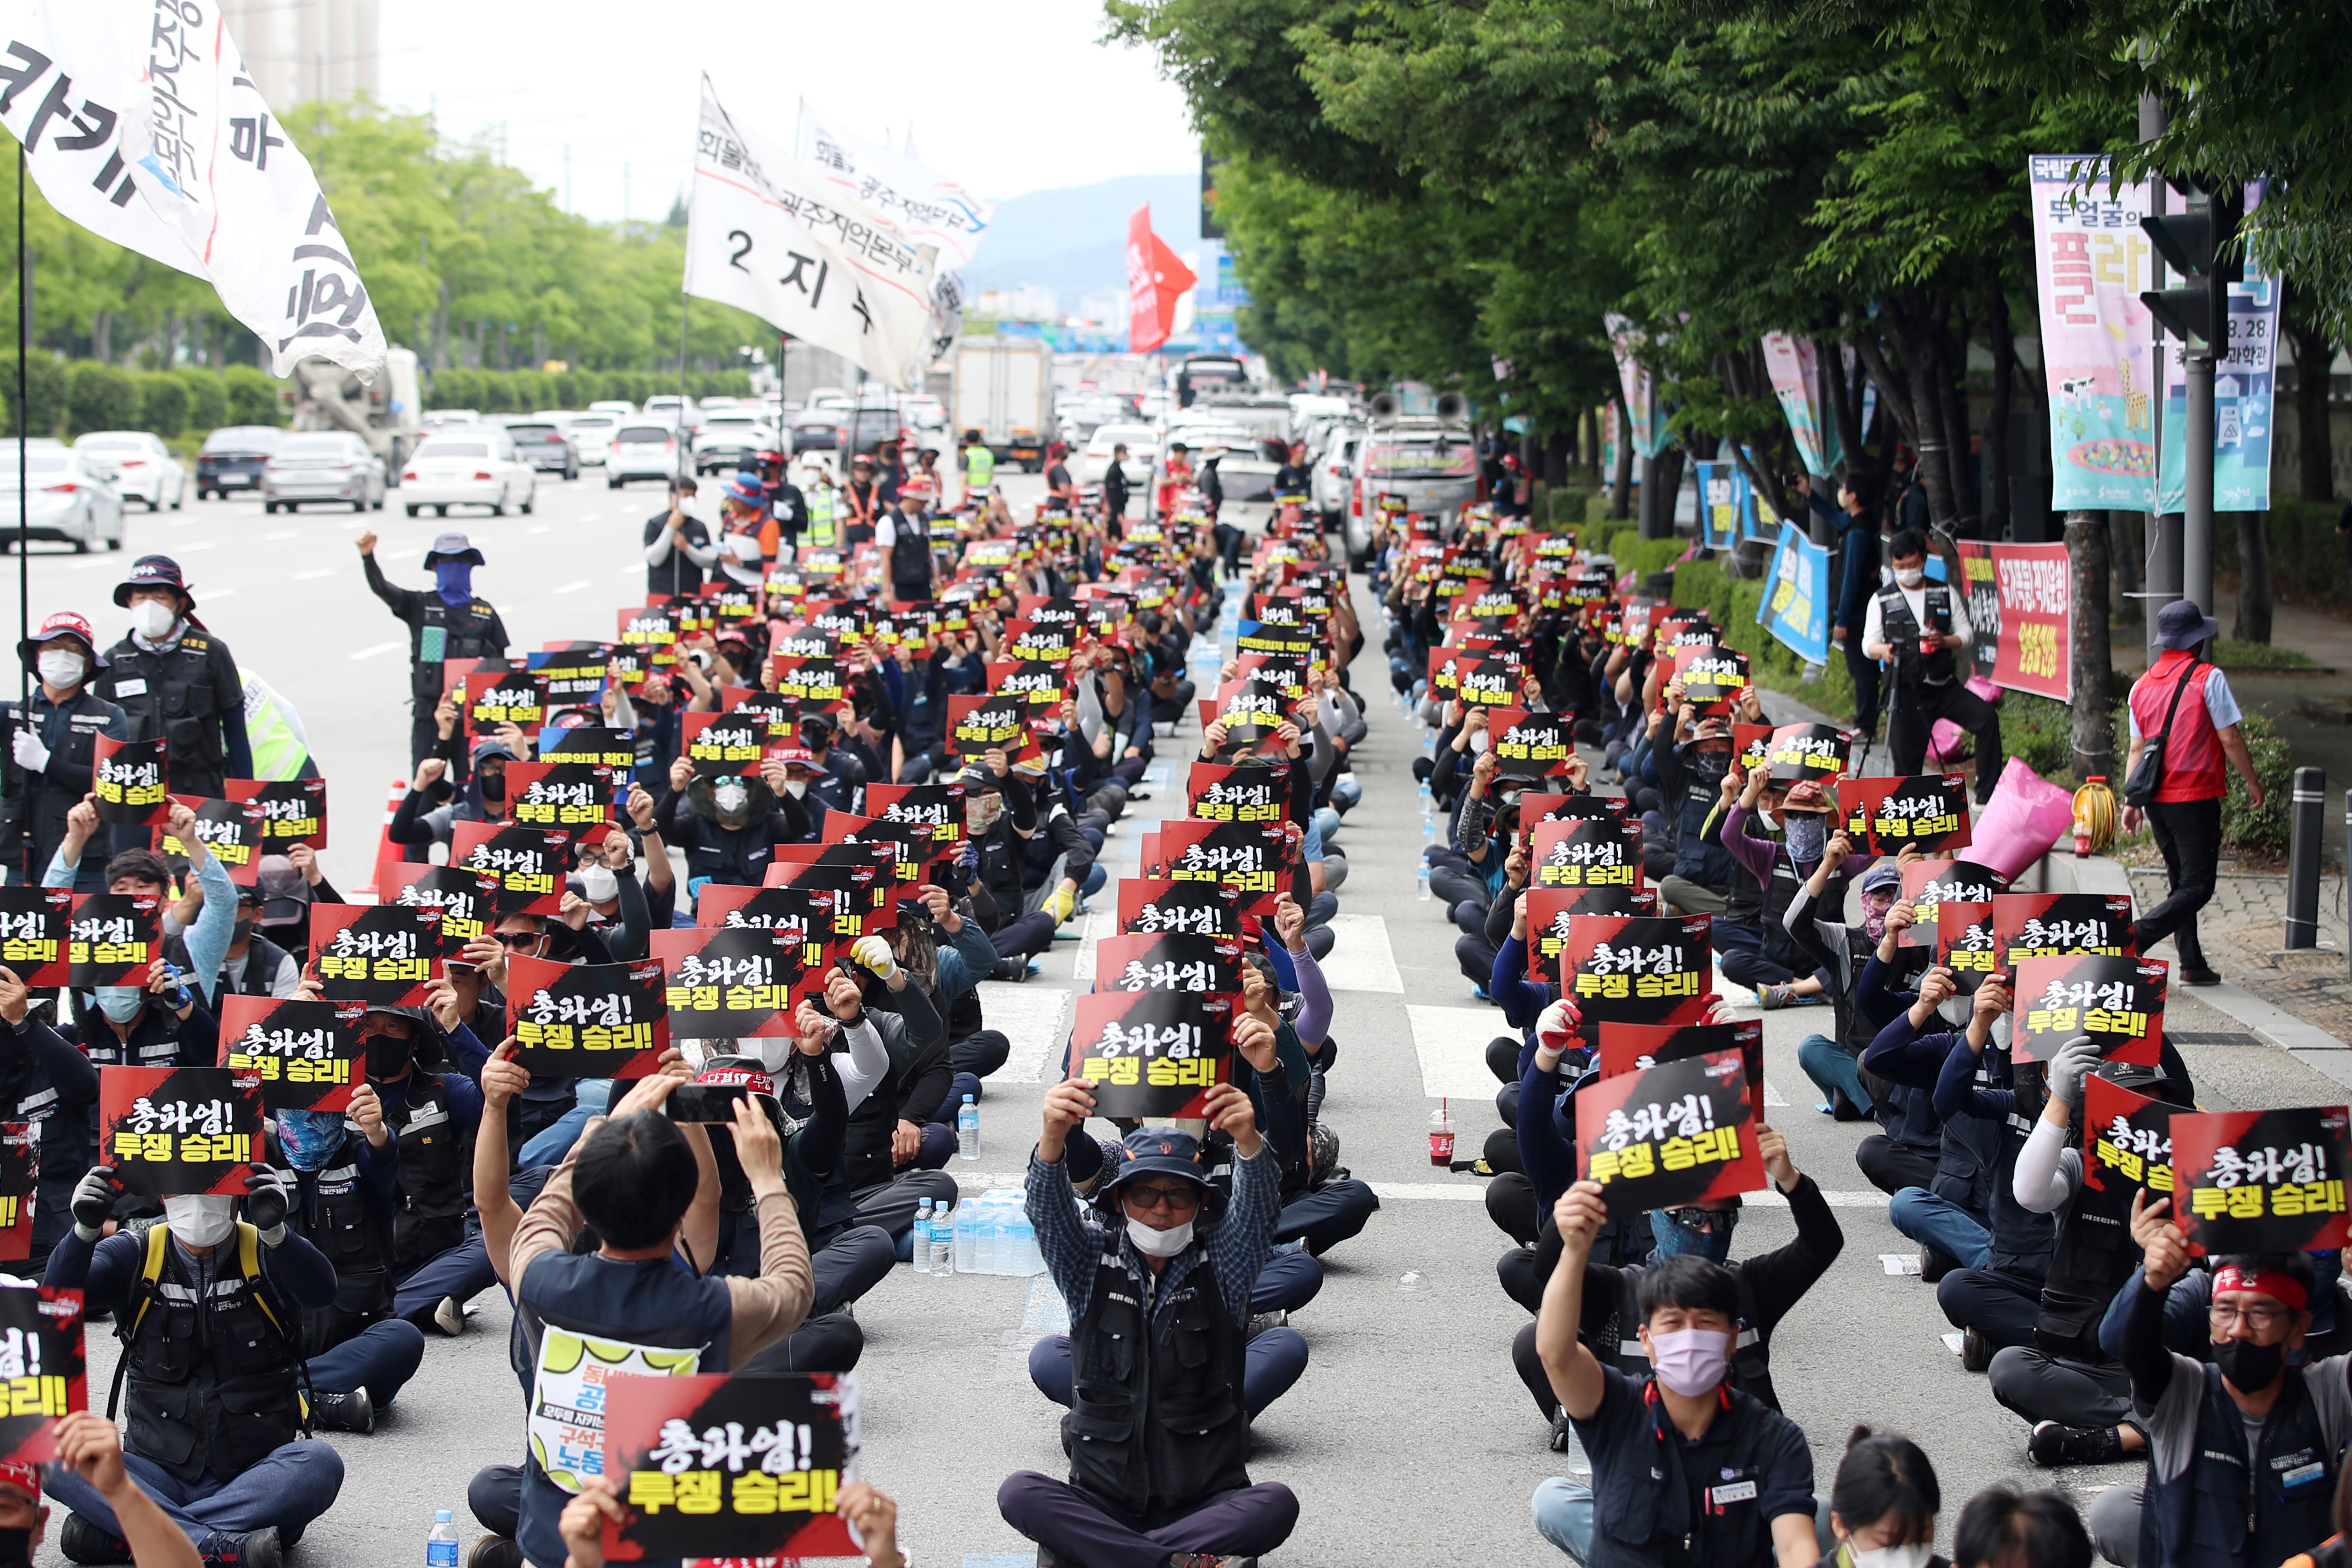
33	819
191	694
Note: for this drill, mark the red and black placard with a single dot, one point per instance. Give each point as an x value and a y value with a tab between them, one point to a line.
20	1174
1929	884
530	863
2119	1002
1530	745
913	854
576	672
803	917
230	829
1626	1046
1800	752
130	782
1652	969
497	693
1544	806
113	939
2126	1138
173	1130
649	626
587	1020
1549	910
723	746
596	743
738	1469
1148	905
729	982
1751	745
1035	684
1713	677
977	724
1250	856
383	953
2260	1181
865	875
782	715
1965	943
819	681
566	795
2053	925
293	810
467	900
1583	852
34	923
1670	1135
1224	792
1492	681
1926	812
1168	961
937	807
307	1055
43	1374
1250	709
1152	1053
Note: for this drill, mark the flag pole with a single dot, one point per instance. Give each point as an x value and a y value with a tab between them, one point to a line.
24	421
684	436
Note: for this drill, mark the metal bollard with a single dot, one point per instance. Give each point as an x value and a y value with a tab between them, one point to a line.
2304	826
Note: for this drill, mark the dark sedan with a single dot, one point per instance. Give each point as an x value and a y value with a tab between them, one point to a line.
233	459
546	449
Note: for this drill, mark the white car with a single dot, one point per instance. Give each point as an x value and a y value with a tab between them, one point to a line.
469	468
451	419
677	410
70	502
322	465
619	408
642	449
591	433
139	465
1334	472
728	438
1142	444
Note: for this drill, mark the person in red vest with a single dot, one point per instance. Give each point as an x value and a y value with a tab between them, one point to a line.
2186	811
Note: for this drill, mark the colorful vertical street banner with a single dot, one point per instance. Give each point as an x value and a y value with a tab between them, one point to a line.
2091	261
1796	606
2244	384
1795	370
1649	432
1725	513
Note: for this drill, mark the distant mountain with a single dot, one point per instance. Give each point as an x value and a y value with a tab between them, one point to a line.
1073	240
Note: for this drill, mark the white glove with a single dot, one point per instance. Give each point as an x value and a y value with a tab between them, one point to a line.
873	954
2072	1064
1555	1029
31	755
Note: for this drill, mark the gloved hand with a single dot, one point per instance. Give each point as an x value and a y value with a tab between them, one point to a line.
872	953
93	1201
267	1202
1555	1029
31	755
2072	1064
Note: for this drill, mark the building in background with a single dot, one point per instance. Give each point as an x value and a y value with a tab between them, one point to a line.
298	50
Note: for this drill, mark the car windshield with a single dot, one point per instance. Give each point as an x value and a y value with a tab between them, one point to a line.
534	433
243	438
311	448
1435	458
40	464
453	449
644	434
122	445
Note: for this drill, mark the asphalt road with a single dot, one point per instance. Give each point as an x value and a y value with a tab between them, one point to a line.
1409	1433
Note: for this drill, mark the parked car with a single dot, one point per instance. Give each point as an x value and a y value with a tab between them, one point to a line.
71	501
728	438
821	430
642	449
592	433
138	464
619	408
322	465
233	458
1334	472
1142	444
546	449
469	468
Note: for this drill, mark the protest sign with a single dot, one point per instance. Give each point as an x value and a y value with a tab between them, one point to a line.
1626	1046
1152	904
1927	812
723	746
1712	677
467	900
2030	638
1537	808
743	1469
231	830
20	1176
1965	943
595	743
1152	1053
530	863
1670	1135
2119	1002
307	1055
2127	1137
914	856
1168	961
1637	970
34	925
587	1020
2260	1181
576	674
2052	925
383	953
43	1374
497	694
936	807
173	1130
1927	884
728	982
1530	745
1549	910
127	782
865	875
1798	752
1583	852
562	794
1221	792
979	724
113	939
293	810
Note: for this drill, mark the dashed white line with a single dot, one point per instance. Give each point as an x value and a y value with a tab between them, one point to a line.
309	577
373	648
569	588
281	533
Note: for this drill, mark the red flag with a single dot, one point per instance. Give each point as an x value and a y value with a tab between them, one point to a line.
1156	278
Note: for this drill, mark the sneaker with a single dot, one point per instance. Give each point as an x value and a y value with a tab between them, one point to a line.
1478	994
498	1552
1773	997
1563	1433
1261	1321
83	1541
1934	1264
1844	1109
1976	1351
349	1412
255	1548
1013	970
2198	976
449	1317
2052	1444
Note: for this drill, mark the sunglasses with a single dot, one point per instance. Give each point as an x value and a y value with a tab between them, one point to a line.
1176	1200
517	938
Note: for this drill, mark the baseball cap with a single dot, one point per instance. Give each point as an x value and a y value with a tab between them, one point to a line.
1159	1152
1884	875
63	624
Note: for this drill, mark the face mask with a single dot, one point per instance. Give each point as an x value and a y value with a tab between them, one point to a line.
980	814
1910	576
16	1549
1917	1554
201	1221
121	1003
1691	1360
61	668
796	788
2250	1367
1159	1243
388	1056
1478	742
494	785
1769	823
453	579
599	885
1807	835
1675	1237
731	797
1711	765
310	1137
151	619
1873	916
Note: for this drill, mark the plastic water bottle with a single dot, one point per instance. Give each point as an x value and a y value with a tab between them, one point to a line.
1428	810
966	1237
993	1236
941	1245
920	1240
441	1546
968	1130
1024	1243
1422	876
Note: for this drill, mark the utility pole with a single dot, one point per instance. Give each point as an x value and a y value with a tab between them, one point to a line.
2197	244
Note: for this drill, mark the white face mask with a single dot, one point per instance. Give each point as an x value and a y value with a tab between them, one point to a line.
796	788
731	797
1478	742
1914	1554
598	884
202	1221
61	667
151	619
772	1052
1910	576
1771	824
1159	1243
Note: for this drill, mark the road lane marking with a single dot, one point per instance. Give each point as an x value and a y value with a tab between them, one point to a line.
371	650
1362	957
310	576
569	588
1452	1044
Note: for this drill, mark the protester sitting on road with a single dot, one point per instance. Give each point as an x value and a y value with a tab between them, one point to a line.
428	814
2000	1529
1695	786
91	1449
197	928
1752	942
51	1086
1845	952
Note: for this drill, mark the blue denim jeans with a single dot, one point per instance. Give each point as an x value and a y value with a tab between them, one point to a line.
289	1487
549	1147
1563	1510
1942	1225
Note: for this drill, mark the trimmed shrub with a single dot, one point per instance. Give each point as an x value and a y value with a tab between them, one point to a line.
207	398
252	396
100	397
44	391
163	403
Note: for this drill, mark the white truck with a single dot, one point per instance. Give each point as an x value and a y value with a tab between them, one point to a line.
388	415
1004	390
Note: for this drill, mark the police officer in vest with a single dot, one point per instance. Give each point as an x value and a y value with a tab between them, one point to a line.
1686	1466
450	622
207	1309
978	461
175	680
2244	1452
1913	625
54	742
439	1264
1158	1295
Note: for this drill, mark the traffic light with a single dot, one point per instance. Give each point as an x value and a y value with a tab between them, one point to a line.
2197	243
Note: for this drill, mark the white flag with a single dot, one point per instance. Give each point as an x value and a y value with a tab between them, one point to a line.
765	233
925	205
139	125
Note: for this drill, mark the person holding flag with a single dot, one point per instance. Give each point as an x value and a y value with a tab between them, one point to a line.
54	746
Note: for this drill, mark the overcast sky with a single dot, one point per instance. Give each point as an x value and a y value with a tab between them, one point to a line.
1009	100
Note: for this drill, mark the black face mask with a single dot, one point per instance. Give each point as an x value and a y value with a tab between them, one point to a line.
2250	1367
388	1056
493	785
243	929
1709	764
16	1549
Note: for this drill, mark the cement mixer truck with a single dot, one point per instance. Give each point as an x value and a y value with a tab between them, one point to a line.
388	415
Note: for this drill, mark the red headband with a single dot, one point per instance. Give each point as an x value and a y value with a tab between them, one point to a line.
2275	1283
16	1473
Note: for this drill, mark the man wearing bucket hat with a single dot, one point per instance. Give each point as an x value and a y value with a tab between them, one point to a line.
450	622
54	742
2186	706
175	678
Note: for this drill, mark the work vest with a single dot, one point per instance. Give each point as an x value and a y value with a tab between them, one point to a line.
214	1381
910	559
1902	632
441	633
821	505
1968	1152
1751	1357
278	752
1695	860
436	1154
332	1214
2021	1239
979	468
1763	906
1641	1506
154	1040
36	805
1156	1420
2193	768
168	692
2224	1511
2094	1250
262	958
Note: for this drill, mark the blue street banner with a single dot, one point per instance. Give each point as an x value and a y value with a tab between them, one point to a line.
1796	606
1725	516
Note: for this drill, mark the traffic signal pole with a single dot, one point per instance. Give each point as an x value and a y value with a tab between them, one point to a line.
2197	520
2162	570
2197	244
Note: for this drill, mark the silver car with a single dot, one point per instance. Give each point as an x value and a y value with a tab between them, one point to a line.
323	465
1334	472
69	499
